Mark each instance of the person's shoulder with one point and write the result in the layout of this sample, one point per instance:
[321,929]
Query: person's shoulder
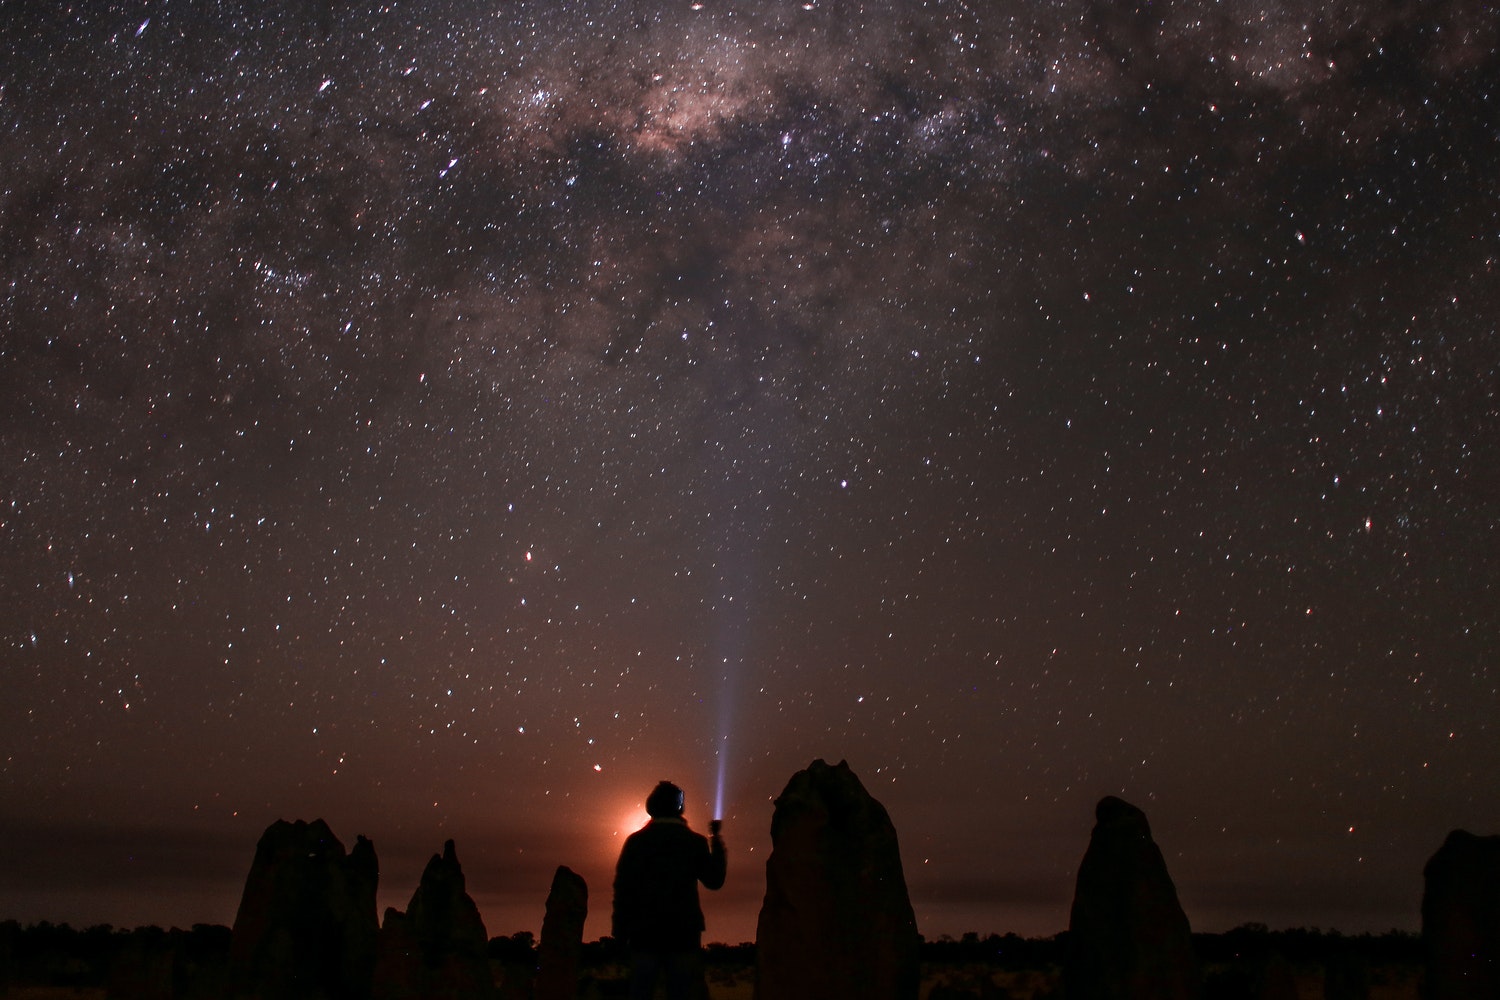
[666,833]
[650,832]
[687,833]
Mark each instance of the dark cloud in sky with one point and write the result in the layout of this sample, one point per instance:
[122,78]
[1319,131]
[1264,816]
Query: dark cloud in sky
[450,419]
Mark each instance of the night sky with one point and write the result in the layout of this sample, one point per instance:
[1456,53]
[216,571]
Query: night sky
[450,418]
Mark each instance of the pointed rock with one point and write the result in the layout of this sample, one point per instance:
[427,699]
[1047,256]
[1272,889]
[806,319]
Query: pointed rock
[562,936]
[306,925]
[836,920]
[1461,919]
[1128,938]
[437,949]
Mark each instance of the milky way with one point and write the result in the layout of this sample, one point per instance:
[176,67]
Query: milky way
[450,418]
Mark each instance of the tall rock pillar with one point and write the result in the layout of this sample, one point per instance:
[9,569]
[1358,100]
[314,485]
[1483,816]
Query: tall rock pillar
[561,955]
[1461,919]
[836,920]
[306,925]
[1128,938]
[437,949]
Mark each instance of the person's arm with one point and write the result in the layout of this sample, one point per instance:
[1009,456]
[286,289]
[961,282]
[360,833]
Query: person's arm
[714,862]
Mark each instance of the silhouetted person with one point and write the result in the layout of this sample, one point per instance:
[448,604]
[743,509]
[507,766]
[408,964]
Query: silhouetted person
[656,912]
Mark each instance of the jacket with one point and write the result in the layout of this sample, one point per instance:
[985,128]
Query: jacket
[656,886]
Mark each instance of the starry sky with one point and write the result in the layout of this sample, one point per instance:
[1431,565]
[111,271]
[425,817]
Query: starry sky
[449,418]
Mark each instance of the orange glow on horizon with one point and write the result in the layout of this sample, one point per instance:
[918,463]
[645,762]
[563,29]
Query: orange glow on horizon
[628,820]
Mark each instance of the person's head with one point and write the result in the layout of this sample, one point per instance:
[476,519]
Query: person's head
[665,801]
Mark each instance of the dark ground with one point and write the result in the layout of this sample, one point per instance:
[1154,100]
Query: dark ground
[53,961]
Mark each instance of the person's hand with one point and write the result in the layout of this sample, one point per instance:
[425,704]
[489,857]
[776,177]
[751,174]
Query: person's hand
[715,825]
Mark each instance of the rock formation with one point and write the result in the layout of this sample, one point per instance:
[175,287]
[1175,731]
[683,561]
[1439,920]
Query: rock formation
[1128,938]
[562,936]
[306,925]
[836,920]
[437,949]
[1461,919]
